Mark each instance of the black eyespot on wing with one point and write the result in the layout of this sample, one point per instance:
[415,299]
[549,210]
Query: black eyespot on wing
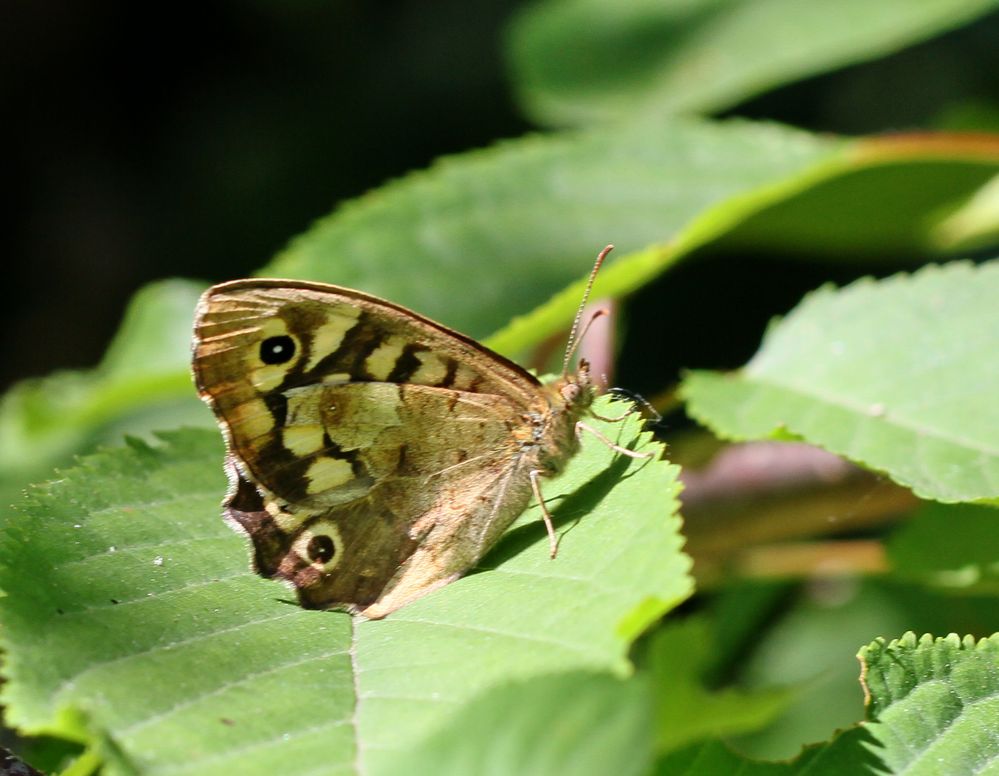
[321,549]
[277,350]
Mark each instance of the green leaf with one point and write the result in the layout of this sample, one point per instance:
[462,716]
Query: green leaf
[953,546]
[479,237]
[933,702]
[44,421]
[884,199]
[975,224]
[686,710]
[899,375]
[578,62]
[847,753]
[580,723]
[809,646]
[150,639]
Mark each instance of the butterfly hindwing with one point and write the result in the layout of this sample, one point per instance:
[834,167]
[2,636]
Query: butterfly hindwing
[438,476]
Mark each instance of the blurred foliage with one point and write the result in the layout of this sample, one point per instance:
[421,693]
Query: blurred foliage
[132,629]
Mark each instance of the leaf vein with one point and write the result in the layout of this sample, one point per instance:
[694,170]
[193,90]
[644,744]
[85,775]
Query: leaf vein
[192,700]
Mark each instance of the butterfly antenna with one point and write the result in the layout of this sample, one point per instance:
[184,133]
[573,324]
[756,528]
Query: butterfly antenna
[574,336]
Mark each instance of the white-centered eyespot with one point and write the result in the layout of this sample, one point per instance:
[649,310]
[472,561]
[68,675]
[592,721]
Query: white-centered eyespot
[270,358]
[319,544]
[278,350]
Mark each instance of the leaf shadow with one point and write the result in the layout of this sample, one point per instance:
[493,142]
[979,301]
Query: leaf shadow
[572,508]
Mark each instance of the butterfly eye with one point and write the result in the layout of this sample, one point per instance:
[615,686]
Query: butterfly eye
[277,350]
[570,392]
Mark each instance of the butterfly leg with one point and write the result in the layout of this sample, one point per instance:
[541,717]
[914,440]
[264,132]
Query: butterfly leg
[581,427]
[617,419]
[545,514]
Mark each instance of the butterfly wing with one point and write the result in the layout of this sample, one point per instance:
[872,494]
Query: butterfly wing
[373,454]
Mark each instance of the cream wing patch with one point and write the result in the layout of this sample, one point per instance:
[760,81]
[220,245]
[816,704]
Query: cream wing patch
[432,369]
[286,521]
[328,336]
[383,359]
[303,440]
[464,378]
[252,421]
[326,473]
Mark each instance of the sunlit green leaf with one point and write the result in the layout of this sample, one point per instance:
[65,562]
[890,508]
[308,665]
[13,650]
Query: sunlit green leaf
[578,62]
[899,375]
[149,633]
[933,703]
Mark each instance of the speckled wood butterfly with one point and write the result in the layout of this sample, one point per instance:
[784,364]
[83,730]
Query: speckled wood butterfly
[373,454]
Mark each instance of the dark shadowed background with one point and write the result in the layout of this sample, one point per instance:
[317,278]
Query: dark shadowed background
[195,140]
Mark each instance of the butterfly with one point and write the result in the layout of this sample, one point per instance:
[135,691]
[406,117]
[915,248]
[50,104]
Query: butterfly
[374,455]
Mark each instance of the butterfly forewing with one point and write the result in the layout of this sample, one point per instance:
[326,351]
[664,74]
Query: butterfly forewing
[259,341]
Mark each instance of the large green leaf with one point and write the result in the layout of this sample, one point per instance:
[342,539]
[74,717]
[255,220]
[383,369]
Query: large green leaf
[899,375]
[149,638]
[146,367]
[585,61]
[492,233]
[933,704]
[579,723]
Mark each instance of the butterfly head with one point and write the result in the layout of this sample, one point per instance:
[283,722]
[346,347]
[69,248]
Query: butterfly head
[577,389]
